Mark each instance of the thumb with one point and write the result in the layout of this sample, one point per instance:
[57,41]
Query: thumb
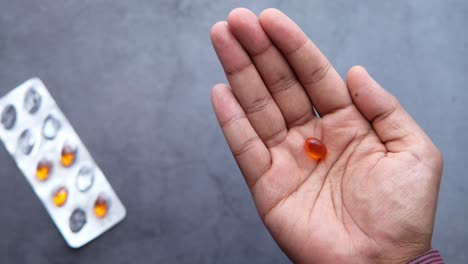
[392,124]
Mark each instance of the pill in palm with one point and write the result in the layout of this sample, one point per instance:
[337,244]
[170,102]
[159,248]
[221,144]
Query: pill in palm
[315,149]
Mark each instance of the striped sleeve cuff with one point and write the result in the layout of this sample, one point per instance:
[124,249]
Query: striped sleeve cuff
[430,257]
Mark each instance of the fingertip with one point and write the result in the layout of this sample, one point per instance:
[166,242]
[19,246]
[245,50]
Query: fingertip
[241,18]
[357,70]
[239,13]
[282,30]
[217,92]
[216,30]
[246,28]
[357,76]
[269,13]
[272,16]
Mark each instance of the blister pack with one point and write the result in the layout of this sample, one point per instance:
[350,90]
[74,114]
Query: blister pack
[62,173]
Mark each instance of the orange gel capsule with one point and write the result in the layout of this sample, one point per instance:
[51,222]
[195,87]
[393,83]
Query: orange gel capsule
[315,149]
[60,196]
[44,167]
[101,206]
[68,155]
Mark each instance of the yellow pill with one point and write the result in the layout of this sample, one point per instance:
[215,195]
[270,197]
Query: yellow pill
[101,207]
[43,169]
[60,196]
[68,155]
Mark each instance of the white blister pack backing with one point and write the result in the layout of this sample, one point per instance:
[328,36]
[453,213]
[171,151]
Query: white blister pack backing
[62,173]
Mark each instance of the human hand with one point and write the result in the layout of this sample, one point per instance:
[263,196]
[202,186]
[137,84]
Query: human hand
[373,198]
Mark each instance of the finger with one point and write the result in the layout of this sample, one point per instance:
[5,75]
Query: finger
[248,86]
[251,154]
[324,85]
[279,78]
[393,125]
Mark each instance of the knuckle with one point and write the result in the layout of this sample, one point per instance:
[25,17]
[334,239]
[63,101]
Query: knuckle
[283,83]
[393,106]
[317,74]
[238,69]
[261,51]
[231,120]
[275,138]
[258,104]
[300,45]
[245,146]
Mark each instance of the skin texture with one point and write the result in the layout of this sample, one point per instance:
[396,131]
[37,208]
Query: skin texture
[373,199]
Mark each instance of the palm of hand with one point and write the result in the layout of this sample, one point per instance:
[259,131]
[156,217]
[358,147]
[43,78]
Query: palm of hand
[373,198]
[351,201]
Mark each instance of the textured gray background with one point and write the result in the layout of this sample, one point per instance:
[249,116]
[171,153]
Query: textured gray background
[133,77]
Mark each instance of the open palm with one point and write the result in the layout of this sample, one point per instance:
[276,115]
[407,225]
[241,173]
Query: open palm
[373,198]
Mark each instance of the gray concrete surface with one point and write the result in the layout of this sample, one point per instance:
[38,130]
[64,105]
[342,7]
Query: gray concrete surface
[134,77]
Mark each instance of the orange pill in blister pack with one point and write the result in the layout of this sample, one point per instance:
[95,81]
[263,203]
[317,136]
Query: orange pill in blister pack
[43,169]
[101,206]
[56,163]
[68,155]
[315,149]
[60,196]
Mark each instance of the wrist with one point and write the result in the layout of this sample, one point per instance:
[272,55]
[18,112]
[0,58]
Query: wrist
[432,256]
[403,254]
